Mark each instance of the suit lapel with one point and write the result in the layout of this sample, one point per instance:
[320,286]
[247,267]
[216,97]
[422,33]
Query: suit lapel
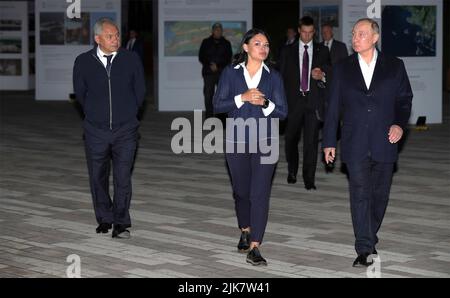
[333,48]
[263,81]
[377,73]
[357,73]
[241,76]
[296,54]
[315,55]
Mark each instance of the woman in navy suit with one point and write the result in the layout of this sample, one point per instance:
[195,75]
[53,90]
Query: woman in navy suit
[251,93]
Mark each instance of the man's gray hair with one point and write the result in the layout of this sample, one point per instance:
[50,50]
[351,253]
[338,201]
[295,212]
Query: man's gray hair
[98,27]
[372,23]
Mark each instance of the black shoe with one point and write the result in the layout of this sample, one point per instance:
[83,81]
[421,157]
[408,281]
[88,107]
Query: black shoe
[291,179]
[310,186]
[374,252]
[119,231]
[103,228]
[244,242]
[254,257]
[361,261]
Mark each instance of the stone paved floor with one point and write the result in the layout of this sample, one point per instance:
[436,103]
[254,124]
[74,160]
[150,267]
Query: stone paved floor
[183,214]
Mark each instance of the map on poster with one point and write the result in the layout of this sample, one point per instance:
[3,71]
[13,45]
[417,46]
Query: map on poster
[183,38]
[409,31]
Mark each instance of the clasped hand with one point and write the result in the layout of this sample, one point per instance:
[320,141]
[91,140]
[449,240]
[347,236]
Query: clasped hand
[253,96]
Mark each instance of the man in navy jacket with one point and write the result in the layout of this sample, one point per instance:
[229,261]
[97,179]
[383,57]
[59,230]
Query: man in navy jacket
[109,85]
[374,94]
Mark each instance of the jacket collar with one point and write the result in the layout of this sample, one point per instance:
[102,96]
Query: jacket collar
[265,67]
[93,51]
[377,73]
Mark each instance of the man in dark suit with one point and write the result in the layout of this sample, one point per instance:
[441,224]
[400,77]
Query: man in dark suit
[109,84]
[338,49]
[304,66]
[135,44]
[374,94]
[214,54]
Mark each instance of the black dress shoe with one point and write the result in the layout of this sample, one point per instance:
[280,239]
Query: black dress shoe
[121,232]
[291,179]
[361,261]
[103,228]
[244,242]
[310,186]
[254,257]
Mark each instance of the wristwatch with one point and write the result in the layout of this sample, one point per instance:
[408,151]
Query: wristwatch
[266,103]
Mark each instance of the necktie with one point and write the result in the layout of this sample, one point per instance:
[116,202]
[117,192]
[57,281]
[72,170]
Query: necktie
[305,68]
[108,64]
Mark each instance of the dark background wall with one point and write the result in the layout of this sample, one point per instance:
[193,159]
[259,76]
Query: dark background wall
[274,17]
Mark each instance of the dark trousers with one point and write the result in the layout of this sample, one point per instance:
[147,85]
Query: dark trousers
[209,87]
[370,184]
[301,119]
[103,146]
[252,183]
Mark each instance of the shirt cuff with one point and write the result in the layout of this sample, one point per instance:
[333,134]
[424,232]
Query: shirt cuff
[267,111]
[238,101]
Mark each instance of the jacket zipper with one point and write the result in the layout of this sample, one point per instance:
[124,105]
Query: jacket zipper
[109,89]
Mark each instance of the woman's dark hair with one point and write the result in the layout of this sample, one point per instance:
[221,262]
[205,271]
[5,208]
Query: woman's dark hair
[242,56]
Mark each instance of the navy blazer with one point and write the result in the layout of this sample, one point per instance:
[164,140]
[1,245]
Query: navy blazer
[367,113]
[232,83]
[109,100]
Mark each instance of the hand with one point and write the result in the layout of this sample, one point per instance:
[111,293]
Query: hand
[317,74]
[213,67]
[253,96]
[395,134]
[330,154]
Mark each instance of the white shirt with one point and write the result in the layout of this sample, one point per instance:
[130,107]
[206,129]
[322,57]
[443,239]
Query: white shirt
[328,43]
[301,50]
[100,54]
[253,83]
[368,69]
